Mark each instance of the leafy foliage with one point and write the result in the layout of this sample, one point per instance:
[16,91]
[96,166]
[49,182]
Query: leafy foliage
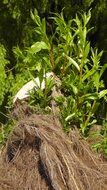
[69,54]
[101,145]
[42,97]
[5,130]
[3,62]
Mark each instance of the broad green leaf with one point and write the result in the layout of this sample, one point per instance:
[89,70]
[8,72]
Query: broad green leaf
[87,49]
[96,79]
[90,96]
[102,93]
[74,88]
[72,61]
[38,46]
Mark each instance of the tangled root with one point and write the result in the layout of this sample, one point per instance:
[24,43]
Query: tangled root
[39,156]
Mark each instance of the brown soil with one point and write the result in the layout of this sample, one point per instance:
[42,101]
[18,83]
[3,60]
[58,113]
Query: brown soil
[39,156]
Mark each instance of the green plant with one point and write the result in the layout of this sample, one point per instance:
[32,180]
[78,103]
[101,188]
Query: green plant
[69,54]
[3,62]
[81,72]
[5,130]
[101,145]
[33,61]
[66,51]
[42,97]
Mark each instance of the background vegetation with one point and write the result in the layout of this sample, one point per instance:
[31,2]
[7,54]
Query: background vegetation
[31,45]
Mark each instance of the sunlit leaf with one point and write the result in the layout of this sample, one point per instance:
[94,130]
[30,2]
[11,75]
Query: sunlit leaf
[38,46]
[90,96]
[96,79]
[93,122]
[104,67]
[88,74]
[87,49]
[35,17]
[102,93]
[69,117]
[72,61]
[74,88]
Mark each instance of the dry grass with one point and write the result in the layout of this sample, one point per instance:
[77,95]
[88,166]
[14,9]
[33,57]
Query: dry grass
[39,156]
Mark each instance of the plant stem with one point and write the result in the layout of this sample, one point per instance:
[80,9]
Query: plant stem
[89,116]
[52,60]
[81,70]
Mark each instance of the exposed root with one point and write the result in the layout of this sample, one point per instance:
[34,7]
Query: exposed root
[39,156]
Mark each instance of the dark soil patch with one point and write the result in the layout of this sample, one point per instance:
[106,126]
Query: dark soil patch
[39,156]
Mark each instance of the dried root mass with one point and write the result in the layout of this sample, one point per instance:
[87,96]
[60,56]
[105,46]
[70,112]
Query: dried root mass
[39,156]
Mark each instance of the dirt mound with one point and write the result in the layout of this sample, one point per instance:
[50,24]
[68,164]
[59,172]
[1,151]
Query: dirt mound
[39,156]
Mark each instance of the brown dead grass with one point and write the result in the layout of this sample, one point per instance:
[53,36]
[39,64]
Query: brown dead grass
[39,156]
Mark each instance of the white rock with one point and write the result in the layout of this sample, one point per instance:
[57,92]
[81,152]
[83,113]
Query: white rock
[28,87]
